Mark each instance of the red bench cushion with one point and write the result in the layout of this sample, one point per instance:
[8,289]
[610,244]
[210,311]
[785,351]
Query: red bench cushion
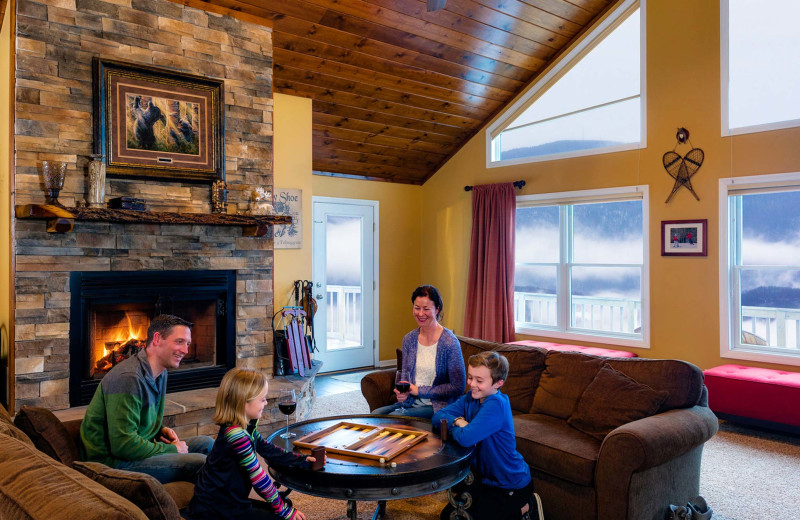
[756,393]
[597,351]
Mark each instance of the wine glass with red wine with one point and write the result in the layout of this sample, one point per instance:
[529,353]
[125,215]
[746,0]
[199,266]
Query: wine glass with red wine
[287,403]
[402,382]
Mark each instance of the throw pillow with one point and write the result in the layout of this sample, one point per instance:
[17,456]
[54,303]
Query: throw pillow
[144,491]
[611,400]
[47,433]
[566,376]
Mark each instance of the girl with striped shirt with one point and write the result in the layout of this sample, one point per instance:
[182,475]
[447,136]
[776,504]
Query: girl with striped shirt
[232,468]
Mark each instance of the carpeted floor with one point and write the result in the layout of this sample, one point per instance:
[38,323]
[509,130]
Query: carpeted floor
[746,475]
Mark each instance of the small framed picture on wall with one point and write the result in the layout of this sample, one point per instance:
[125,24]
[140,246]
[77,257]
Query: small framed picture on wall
[684,237]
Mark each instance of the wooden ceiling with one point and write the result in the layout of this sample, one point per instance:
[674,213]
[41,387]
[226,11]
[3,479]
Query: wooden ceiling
[397,90]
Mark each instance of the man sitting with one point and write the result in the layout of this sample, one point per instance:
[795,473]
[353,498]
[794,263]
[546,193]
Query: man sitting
[122,427]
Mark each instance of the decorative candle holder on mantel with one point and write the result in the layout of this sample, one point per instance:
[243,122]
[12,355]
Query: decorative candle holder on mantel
[97,181]
[53,173]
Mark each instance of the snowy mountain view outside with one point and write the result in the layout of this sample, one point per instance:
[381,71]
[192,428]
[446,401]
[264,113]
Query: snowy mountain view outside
[605,266]
[769,270]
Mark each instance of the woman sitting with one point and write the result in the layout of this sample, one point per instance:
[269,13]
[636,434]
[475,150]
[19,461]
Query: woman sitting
[432,360]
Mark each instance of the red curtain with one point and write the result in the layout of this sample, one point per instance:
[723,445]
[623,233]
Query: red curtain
[490,290]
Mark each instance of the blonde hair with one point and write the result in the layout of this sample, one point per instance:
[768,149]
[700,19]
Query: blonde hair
[496,363]
[239,386]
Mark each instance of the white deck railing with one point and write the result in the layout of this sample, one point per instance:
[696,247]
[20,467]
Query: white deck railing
[344,315]
[589,312]
[778,327]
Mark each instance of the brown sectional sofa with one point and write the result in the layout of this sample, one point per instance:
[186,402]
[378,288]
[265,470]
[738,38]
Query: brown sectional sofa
[41,477]
[600,445]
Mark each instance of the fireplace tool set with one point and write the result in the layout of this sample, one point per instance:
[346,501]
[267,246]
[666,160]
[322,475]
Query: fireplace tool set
[294,341]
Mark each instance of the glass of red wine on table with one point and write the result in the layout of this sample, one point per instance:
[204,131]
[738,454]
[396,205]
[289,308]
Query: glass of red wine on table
[403,383]
[287,403]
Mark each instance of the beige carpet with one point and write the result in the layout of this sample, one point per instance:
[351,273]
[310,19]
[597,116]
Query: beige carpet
[746,475]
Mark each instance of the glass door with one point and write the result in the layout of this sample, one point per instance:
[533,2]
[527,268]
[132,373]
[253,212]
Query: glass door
[344,282]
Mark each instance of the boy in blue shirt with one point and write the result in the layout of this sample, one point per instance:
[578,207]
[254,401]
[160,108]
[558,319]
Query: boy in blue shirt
[482,417]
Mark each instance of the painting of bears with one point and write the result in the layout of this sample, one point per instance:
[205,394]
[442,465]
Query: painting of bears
[162,124]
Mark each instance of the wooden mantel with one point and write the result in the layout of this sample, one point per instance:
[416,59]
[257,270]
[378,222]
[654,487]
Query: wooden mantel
[61,220]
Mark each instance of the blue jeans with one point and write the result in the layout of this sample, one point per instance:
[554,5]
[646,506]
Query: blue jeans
[173,467]
[424,411]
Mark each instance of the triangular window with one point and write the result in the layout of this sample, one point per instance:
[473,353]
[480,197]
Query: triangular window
[589,103]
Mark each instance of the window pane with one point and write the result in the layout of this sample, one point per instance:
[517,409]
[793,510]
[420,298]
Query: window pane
[568,116]
[535,299]
[343,273]
[537,235]
[771,228]
[612,68]
[762,55]
[607,299]
[603,127]
[770,309]
[608,233]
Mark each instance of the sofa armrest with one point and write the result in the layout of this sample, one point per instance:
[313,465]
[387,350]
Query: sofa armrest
[644,444]
[377,388]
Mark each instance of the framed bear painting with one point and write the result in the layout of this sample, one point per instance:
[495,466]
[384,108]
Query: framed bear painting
[157,123]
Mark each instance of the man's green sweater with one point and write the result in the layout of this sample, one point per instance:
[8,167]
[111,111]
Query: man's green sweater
[124,416]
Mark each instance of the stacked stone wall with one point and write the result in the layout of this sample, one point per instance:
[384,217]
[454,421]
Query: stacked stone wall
[55,43]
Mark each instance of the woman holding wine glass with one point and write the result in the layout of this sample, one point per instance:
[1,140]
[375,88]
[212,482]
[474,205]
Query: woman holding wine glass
[432,375]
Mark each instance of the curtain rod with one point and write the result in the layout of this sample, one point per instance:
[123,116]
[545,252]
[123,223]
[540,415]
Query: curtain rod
[517,184]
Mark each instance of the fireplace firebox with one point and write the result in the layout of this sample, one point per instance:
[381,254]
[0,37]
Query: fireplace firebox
[110,314]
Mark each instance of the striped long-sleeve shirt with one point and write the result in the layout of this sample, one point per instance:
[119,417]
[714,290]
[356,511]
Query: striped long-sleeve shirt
[232,470]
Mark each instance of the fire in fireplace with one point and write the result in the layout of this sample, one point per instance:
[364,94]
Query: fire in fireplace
[112,311]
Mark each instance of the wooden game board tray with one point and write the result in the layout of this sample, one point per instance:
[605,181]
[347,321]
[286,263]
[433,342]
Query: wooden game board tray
[362,440]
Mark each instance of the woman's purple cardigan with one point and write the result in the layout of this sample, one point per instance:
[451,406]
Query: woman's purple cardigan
[450,379]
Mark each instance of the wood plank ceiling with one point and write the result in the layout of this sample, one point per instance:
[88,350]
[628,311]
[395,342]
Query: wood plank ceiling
[398,90]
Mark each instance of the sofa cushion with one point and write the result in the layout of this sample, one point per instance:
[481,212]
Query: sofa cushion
[34,486]
[551,446]
[682,380]
[611,400]
[525,368]
[8,428]
[47,433]
[143,490]
[566,376]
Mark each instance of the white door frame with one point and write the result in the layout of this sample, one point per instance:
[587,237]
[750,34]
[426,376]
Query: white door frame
[376,343]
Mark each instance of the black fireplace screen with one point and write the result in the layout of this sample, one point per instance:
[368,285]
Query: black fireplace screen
[110,314]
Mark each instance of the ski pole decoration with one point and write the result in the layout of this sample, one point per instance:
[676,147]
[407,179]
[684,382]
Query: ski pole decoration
[683,168]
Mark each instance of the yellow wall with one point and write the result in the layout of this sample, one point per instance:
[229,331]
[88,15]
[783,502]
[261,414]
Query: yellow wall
[683,89]
[6,101]
[291,121]
[400,223]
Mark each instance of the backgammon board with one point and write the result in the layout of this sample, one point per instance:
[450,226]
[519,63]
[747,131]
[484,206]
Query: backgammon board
[361,440]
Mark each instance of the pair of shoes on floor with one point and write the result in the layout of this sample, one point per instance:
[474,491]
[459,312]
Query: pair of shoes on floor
[700,509]
[696,509]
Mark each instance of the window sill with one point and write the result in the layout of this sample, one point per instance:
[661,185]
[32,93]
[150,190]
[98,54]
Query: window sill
[792,359]
[590,338]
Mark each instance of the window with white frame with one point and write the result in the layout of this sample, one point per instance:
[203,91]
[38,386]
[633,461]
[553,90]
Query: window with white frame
[760,44]
[581,265]
[589,103]
[760,275]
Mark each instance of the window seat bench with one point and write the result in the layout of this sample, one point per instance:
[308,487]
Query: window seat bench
[755,396]
[596,351]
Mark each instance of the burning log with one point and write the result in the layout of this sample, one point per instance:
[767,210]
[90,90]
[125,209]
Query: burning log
[118,351]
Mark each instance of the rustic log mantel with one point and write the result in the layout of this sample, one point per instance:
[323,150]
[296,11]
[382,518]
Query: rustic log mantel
[61,220]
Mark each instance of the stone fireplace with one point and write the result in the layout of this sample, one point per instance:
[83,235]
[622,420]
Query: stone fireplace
[53,121]
[110,314]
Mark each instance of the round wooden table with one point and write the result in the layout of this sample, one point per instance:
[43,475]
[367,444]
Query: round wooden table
[425,468]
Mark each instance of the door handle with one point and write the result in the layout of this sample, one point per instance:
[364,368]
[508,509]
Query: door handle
[319,297]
